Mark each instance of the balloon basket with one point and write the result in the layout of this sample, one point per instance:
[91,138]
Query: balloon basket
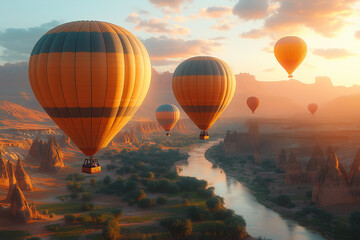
[168,134]
[91,166]
[204,135]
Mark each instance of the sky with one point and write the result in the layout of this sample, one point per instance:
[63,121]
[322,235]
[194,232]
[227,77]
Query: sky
[240,32]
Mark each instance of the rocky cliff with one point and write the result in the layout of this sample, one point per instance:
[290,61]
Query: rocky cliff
[316,162]
[293,174]
[125,137]
[12,179]
[4,178]
[20,210]
[330,186]
[22,178]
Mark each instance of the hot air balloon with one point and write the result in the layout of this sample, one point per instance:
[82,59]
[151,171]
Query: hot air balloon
[90,77]
[290,52]
[204,87]
[313,107]
[167,115]
[253,103]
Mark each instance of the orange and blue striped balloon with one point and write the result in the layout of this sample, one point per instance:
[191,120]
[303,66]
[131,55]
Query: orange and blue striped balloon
[204,87]
[167,115]
[90,77]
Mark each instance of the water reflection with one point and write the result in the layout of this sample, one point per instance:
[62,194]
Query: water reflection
[260,221]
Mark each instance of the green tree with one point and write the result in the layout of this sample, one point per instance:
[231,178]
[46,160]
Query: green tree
[107,180]
[117,213]
[215,203]
[93,182]
[111,230]
[179,228]
[95,217]
[70,219]
[236,227]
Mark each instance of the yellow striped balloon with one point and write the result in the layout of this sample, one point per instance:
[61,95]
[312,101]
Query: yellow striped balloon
[167,115]
[204,86]
[90,77]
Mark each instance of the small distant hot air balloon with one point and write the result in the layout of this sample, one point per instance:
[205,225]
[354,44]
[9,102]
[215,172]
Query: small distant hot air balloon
[167,115]
[313,107]
[90,77]
[204,87]
[253,103]
[290,52]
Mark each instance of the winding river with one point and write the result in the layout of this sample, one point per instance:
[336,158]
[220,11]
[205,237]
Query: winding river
[260,220]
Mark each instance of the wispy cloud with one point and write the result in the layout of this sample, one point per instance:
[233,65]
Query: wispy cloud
[251,9]
[215,12]
[173,5]
[332,53]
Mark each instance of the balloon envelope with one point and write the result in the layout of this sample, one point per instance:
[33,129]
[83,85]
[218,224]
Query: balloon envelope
[253,103]
[290,52]
[313,107]
[167,115]
[204,87]
[90,77]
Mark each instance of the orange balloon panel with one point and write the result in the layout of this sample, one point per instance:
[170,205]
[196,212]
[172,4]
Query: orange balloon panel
[167,115]
[253,103]
[290,52]
[313,107]
[204,87]
[90,77]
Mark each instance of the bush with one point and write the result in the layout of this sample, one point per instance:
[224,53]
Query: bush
[63,199]
[197,214]
[136,195]
[214,229]
[284,201]
[74,195]
[209,193]
[146,203]
[161,200]
[95,217]
[215,203]
[179,228]
[93,182]
[87,206]
[111,230]
[148,175]
[86,196]
[78,177]
[130,185]
[70,219]
[81,219]
[107,180]
[117,213]
[236,227]
[223,214]
[52,215]
[111,167]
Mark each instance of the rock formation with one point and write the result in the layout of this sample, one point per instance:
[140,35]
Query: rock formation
[22,178]
[4,178]
[36,148]
[48,153]
[51,161]
[355,167]
[281,160]
[20,210]
[125,137]
[293,174]
[12,179]
[316,162]
[330,186]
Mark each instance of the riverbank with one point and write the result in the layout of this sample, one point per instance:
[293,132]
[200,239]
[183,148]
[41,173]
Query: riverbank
[292,202]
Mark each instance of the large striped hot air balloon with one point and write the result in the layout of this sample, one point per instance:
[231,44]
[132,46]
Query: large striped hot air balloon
[204,87]
[290,52]
[167,115]
[90,77]
[253,103]
[312,107]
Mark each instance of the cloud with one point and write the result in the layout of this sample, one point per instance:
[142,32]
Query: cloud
[255,33]
[324,17]
[180,19]
[223,25]
[170,4]
[17,43]
[251,9]
[269,70]
[163,49]
[357,35]
[332,53]
[156,25]
[214,12]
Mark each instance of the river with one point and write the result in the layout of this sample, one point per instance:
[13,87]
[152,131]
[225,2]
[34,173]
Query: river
[260,221]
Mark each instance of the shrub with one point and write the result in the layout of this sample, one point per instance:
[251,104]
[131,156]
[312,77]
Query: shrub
[70,219]
[179,228]
[146,203]
[74,195]
[214,229]
[95,217]
[236,227]
[197,214]
[284,201]
[78,177]
[63,199]
[111,230]
[215,203]
[161,200]
[107,180]
[130,185]
[87,206]
[148,175]
[81,219]
[136,195]
[209,193]
[117,213]
[223,214]
[86,196]
[52,215]
[111,167]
